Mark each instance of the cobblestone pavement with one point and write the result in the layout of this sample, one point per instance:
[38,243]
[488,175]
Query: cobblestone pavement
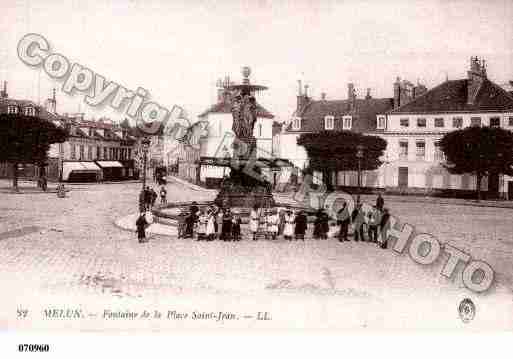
[68,252]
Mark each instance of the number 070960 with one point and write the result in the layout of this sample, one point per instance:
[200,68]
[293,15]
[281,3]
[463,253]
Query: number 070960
[33,348]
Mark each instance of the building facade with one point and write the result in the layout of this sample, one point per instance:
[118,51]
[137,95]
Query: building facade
[413,160]
[94,150]
[412,123]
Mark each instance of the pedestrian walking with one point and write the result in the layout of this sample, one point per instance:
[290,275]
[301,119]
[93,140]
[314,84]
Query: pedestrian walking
[163,195]
[301,226]
[141,225]
[253,221]
[289,229]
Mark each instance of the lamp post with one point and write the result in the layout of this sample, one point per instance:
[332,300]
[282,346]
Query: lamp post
[145,146]
[359,156]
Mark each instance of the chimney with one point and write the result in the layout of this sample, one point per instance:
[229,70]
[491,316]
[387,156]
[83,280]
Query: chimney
[397,92]
[51,103]
[4,94]
[368,96]
[302,97]
[476,76]
[323,96]
[351,95]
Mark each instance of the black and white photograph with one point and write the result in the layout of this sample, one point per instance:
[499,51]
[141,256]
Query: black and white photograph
[171,166]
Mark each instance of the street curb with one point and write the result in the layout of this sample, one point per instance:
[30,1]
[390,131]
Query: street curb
[191,185]
[127,223]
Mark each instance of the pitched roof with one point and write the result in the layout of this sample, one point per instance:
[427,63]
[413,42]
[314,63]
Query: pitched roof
[225,107]
[41,111]
[451,96]
[363,114]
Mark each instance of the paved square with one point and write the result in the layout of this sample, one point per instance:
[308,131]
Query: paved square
[67,253]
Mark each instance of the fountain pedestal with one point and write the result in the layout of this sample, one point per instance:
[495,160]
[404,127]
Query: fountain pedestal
[246,186]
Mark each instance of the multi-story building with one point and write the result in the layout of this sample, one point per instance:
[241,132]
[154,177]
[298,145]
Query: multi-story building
[413,160]
[94,150]
[103,149]
[352,114]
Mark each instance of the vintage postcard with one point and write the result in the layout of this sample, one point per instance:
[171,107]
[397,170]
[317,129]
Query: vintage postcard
[256,165]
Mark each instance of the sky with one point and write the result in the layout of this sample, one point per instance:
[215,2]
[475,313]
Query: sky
[178,49]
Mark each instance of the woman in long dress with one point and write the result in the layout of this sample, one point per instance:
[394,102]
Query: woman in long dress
[253,221]
[288,231]
[202,226]
[211,227]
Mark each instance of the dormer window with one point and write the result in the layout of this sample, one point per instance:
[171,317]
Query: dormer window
[296,123]
[381,122]
[347,122]
[329,122]
[30,111]
[12,109]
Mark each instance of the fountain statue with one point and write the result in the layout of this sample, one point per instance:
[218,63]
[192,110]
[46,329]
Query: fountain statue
[246,186]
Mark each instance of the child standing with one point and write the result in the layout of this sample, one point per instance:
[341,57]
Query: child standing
[202,225]
[163,194]
[272,224]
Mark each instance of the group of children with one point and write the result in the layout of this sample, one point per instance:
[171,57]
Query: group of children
[210,223]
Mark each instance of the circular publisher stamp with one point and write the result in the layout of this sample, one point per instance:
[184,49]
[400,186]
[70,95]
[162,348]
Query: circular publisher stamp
[467,310]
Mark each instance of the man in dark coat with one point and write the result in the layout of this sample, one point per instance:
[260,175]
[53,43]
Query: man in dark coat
[141,224]
[147,197]
[154,197]
[325,225]
[226,228]
[357,217]
[380,202]
[190,221]
[343,220]
[317,232]
[383,226]
[301,226]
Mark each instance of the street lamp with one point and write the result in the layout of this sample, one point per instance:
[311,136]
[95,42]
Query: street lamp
[145,143]
[359,155]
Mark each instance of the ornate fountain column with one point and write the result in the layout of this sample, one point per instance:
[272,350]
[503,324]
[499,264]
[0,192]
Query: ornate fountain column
[246,186]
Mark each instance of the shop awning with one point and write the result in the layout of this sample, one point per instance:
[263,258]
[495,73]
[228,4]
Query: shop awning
[90,166]
[76,166]
[110,164]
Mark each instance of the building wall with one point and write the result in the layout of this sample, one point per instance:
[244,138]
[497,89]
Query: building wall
[220,135]
[289,149]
